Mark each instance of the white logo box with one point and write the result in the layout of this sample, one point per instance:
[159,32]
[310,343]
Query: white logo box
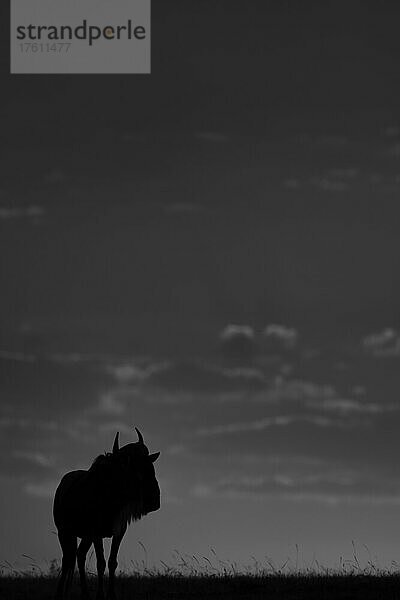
[80,36]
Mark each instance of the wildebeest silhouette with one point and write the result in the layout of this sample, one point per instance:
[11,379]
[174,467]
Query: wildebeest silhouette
[118,488]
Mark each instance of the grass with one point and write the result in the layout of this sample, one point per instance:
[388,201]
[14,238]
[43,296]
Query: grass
[191,577]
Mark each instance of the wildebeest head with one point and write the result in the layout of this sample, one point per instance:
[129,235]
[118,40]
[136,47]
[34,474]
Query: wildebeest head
[139,465]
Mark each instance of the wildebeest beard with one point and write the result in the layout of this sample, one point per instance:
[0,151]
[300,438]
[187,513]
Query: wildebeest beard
[124,495]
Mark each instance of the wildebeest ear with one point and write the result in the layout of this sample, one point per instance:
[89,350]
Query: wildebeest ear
[153,457]
[116,443]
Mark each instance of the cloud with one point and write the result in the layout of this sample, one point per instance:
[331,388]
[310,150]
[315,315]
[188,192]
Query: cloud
[331,489]
[347,406]
[244,374]
[199,376]
[232,331]
[37,458]
[394,150]
[338,179]
[343,173]
[114,426]
[282,336]
[195,409]
[34,425]
[18,465]
[299,480]
[392,131]
[322,398]
[358,390]
[385,343]
[18,356]
[296,416]
[175,383]
[329,184]
[110,404]
[262,424]
[243,342]
[136,370]
[44,489]
[47,389]
[300,391]
[238,341]
[292,183]
[30,212]
[55,176]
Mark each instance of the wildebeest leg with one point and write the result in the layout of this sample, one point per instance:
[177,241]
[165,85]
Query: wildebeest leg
[101,566]
[113,564]
[68,544]
[81,554]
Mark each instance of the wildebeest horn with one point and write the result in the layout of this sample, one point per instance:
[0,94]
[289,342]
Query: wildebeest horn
[141,440]
[116,443]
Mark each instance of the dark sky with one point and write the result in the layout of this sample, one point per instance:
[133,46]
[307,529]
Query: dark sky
[211,253]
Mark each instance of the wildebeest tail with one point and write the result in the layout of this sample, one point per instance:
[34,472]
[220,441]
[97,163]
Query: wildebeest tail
[69,548]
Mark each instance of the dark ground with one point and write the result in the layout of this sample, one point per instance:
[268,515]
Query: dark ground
[287,587]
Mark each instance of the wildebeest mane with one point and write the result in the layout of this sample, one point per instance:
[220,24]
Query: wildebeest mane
[132,509]
[107,458]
